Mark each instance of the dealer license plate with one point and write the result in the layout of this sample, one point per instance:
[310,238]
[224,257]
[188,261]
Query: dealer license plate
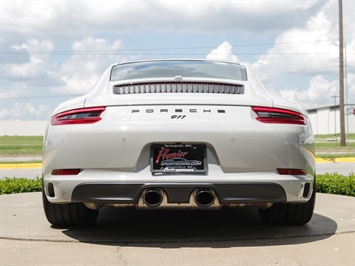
[178,158]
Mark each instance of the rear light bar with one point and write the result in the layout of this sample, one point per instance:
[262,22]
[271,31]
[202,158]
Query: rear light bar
[289,171]
[278,116]
[78,116]
[66,171]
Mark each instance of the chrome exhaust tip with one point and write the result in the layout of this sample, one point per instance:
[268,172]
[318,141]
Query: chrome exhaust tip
[152,197]
[204,198]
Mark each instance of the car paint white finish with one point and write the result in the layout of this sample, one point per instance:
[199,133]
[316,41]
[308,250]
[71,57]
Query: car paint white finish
[240,149]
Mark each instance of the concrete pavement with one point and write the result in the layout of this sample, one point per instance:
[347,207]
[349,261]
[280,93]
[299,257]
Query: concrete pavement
[131,237]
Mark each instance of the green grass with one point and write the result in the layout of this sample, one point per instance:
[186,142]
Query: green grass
[336,184]
[20,185]
[323,142]
[20,145]
[335,155]
[329,136]
[332,149]
[16,162]
[334,145]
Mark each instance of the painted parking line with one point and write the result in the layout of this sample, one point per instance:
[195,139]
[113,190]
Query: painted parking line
[21,166]
[345,160]
[336,160]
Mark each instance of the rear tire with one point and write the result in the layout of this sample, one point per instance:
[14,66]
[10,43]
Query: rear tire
[288,213]
[66,215]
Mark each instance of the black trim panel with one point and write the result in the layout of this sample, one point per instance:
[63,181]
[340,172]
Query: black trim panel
[179,192]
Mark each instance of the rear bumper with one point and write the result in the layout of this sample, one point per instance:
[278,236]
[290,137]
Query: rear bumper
[112,187]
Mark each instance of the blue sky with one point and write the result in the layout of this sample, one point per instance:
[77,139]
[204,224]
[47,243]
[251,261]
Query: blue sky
[54,50]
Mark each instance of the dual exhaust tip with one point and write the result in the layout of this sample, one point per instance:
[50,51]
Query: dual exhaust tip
[155,197]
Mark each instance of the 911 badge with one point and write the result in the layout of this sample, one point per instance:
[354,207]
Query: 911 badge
[178,116]
[178,158]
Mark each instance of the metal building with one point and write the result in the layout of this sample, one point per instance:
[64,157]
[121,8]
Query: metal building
[326,120]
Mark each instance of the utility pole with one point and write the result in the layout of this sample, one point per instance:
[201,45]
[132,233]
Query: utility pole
[335,117]
[341,76]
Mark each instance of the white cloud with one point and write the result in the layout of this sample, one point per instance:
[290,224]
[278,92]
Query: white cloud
[310,52]
[62,18]
[40,75]
[320,90]
[36,67]
[38,49]
[25,111]
[33,74]
[15,90]
[91,57]
[223,52]
[309,47]
[301,49]
[38,30]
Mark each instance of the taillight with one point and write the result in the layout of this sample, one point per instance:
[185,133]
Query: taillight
[78,116]
[290,171]
[66,171]
[278,116]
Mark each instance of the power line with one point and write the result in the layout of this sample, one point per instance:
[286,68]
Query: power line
[123,51]
[171,54]
[297,72]
[39,97]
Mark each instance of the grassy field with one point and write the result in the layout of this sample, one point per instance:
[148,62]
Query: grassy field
[322,139]
[327,147]
[15,145]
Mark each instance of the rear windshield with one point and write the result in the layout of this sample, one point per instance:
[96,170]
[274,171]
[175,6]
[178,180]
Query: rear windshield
[184,68]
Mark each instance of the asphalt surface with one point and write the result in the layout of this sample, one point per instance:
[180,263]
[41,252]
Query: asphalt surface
[138,237]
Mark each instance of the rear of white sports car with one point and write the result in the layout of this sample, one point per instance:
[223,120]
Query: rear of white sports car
[178,133]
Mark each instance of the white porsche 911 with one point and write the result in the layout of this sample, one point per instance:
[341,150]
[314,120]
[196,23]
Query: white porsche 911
[178,133]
